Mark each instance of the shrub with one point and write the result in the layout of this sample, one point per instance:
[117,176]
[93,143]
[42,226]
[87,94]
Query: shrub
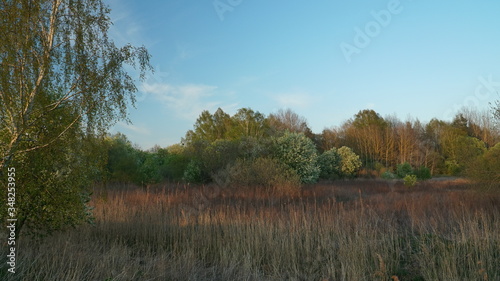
[329,164]
[218,155]
[389,176]
[261,172]
[298,152]
[486,168]
[193,172]
[350,162]
[410,180]
[150,170]
[404,169]
[423,173]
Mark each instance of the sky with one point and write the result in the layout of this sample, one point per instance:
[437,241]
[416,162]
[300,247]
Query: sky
[325,60]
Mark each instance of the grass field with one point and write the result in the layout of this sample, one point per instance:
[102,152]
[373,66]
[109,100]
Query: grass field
[345,230]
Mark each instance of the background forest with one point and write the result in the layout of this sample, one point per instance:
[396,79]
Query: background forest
[248,147]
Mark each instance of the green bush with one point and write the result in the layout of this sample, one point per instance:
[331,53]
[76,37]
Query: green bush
[389,176]
[486,168]
[193,172]
[218,155]
[410,180]
[404,169]
[298,152]
[423,173]
[329,163]
[349,163]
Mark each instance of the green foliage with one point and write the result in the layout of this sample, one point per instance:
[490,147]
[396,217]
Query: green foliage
[52,193]
[404,169]
[350,162]
[209,127]
[127,163]
[452,167]
[389,176]
[174,166]
[299,153]
[410,180]
[248,123]
[193,172]
[152,169]
[63,81]
[124,160]
[221,126]
[458,148]
[368,117]
[486,168]
[423,173]
[251,148]
[218,155]
[330,164]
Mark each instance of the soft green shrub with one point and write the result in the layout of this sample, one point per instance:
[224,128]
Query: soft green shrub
[486,168]
[349,163]
[423,173]
[389,176]
[193,172]
[402,170]
[299,153]
[410,180]
[329,163]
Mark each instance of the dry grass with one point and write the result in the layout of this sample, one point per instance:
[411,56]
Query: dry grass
[352,230]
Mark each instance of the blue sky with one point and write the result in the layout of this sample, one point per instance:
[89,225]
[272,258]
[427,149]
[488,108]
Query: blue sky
[326,60]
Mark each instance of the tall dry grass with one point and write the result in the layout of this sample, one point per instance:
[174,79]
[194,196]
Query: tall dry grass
[353,230]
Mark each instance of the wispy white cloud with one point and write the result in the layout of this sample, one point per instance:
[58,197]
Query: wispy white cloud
[186,101]
[294,100]
[134,128]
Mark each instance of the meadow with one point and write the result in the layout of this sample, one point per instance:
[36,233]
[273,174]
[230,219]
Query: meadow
[341,230]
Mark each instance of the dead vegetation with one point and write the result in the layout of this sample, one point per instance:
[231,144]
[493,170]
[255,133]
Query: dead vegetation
[343,230]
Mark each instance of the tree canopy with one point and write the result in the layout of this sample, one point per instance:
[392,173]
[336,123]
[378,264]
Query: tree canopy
[63,82]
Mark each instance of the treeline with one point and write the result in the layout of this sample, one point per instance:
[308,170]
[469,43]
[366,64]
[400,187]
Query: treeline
[446,148]
[280,150]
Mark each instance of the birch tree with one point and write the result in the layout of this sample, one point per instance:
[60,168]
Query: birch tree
[62,81]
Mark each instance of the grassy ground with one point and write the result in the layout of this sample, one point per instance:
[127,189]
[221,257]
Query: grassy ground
[346,230]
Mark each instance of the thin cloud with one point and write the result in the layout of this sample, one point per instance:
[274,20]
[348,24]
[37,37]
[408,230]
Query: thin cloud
[294,100]
[186,101]
[134,128]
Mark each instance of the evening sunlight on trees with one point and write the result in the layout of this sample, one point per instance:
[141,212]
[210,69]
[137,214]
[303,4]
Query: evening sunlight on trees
[229,150]
[63,83]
